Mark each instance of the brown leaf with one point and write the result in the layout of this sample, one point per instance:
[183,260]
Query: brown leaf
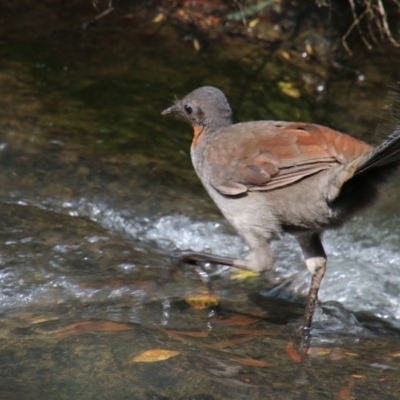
[293,354]
[174,335]
[396,354]
[229,343]
[154,355]
[251,362]
[252,332]
[238,320]
[180,335]
[92,326]
[345,391]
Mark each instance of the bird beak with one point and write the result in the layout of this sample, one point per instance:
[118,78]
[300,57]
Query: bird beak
[170,111]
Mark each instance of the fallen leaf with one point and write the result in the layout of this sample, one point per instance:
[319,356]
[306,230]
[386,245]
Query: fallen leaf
[253,23]
[358,376]
[191,334]
[396,354]
[289,89]
[154,355]
[158,18]
[318,351]
[180,335]
[201,302]
[345,391]
[293,354]
[212,20]
[339,354]
[238,320]
[174,335]
[252,332]
[284,54]
[251,362]
[196,45]
[349,353]
[242,275]
[259,313]
[229,343]
[41,320]
[92,326]
[309,49]
[332,353]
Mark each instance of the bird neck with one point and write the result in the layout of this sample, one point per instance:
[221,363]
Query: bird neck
[214,124]
[209,129]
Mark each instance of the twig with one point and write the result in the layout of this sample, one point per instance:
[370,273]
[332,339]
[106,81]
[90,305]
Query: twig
[242,17]
[370,19]
[385,24]
[86,25]
[248,12]
[356,22]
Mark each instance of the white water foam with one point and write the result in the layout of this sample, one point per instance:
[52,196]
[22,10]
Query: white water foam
[363,259]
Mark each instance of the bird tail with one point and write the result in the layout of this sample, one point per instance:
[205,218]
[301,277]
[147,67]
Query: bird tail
[386,154]
[372,168]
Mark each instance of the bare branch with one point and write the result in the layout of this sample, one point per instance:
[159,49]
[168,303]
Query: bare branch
[356,23]
[385,24]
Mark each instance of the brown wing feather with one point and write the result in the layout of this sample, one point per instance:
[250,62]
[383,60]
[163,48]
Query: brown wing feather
[265,155]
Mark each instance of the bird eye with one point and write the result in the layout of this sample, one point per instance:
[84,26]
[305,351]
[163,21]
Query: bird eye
[188,109]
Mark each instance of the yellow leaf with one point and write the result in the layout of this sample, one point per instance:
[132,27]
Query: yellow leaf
[357,376]
[41,320]
[339,354]
[284,54]
[309,48]
[196,45]
[154,355]
[253,23]
[348,353]
[242,275]
[289,89]
[158,18]
[318,351]
[202,302]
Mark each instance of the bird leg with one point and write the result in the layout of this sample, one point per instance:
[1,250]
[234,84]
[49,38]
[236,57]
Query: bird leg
[195,258]
[316,263]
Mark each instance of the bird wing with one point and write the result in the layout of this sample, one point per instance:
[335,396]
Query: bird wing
[266,155]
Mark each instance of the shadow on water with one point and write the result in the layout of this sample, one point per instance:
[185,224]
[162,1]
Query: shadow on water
[97,193]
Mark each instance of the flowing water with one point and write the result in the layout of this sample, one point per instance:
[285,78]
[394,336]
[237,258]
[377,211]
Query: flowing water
[97,194]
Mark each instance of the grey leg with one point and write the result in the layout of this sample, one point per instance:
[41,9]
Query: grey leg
[316,263]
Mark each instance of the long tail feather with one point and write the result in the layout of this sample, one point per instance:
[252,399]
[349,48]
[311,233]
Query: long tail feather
[384,155]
